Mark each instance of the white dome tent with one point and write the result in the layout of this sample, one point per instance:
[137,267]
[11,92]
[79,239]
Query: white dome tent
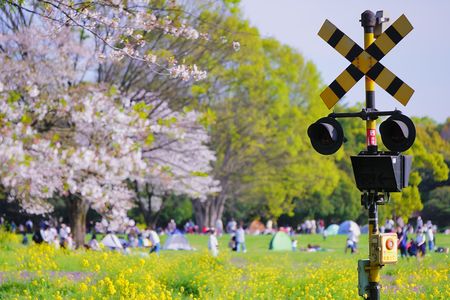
[177,242]
[112,241]
[345,227]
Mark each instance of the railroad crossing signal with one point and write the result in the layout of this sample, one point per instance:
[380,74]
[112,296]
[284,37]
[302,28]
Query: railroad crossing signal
[377,174]
[366,62]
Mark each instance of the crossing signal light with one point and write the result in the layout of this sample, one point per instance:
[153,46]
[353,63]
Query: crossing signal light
[398,133]
[326,135]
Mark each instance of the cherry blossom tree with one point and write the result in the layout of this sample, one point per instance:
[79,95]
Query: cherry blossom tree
[63,134]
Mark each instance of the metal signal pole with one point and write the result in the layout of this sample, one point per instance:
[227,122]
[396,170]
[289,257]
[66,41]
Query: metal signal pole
[368,22]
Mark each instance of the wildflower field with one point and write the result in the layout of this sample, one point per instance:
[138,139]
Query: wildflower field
[42,272]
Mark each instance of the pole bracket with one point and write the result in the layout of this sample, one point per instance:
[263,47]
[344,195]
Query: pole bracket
[366,114]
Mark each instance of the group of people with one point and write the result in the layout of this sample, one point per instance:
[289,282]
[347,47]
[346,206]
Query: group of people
[414,242]
[311,227]
[411,241]
[237,240]
[52,234]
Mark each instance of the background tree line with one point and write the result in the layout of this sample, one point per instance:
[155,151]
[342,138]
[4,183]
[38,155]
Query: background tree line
[257,101]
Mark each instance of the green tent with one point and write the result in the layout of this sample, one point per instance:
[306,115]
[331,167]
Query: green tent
[280,241]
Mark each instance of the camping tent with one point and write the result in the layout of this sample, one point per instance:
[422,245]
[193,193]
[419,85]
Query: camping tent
[365,229]
[177,242]
[112,241]
[256,227]
[345,227]
[280,241]
[332,229]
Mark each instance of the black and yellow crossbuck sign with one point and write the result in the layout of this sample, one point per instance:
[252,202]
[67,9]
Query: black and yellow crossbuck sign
[366,62]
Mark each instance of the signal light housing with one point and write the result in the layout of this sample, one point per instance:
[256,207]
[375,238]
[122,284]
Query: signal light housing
[398,133]
[384,172]
[326,135]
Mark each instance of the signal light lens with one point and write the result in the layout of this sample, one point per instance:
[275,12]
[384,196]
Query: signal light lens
[326,135]
[389,244]
[398,133]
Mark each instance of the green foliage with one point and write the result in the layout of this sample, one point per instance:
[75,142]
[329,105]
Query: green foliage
[261,126]
[437,208]
[345,199]
[177,208]
[430,151]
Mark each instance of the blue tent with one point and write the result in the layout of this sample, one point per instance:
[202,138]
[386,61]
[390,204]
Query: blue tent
[365,229]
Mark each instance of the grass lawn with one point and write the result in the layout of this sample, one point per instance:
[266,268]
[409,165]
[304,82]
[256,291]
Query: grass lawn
[41,272]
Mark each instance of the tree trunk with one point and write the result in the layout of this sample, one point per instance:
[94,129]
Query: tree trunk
[151,218]
[78,212]
[208,212]
[145,204]
[201,210]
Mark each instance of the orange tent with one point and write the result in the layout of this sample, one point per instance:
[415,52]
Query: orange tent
[256,227]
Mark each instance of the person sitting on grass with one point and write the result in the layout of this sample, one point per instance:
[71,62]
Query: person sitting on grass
[93,244]
[314,248]
[156,242]
[412,248]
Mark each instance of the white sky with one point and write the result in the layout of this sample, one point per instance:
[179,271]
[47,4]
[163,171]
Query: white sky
[421,59]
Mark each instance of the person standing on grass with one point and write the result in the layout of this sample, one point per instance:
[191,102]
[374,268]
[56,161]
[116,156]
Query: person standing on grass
[294,245]
[29,225]
[172,226]
[389,225]
[156,242]
[430,237]
[219,227]
[213,244]
[240,238]
[421,242]
[402,241]
[231,226]
[419,223]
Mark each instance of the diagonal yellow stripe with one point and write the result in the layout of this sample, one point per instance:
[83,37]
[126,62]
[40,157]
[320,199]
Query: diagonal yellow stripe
[329,97]
[344,45]
[386,77]
[403,26]
[404,93]
[384,43]
[327,30]
[346,81]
